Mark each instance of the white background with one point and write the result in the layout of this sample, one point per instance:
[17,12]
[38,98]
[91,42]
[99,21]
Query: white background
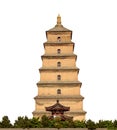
[22,33]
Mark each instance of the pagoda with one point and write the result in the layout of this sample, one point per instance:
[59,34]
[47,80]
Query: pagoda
[57,111]
[59,75]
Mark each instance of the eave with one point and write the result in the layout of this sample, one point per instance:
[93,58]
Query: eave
[61,56]
[59,69]
[58,43]
[56,97]
[60,83]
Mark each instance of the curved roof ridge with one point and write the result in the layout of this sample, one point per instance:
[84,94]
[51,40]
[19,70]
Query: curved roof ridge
[57,106]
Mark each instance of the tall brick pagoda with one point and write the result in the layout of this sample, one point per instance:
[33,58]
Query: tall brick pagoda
[59,75]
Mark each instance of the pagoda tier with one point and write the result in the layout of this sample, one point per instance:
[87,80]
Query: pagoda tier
[59,75]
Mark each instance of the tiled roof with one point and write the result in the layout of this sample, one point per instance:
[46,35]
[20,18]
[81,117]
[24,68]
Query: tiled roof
[57,106]
[58,26]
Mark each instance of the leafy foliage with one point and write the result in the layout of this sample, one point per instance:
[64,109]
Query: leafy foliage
[105,124]
[79,124]
[22,122]
[35,123]
[90,124]
[5,123]
[115,123]
[44,122]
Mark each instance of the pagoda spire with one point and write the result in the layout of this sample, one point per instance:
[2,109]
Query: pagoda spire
[58,19]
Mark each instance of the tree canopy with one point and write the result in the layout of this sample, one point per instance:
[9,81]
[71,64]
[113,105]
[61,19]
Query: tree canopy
[44,122]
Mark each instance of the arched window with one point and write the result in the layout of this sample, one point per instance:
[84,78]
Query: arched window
[58,51]
[58,39]
[59,77]
[58,64]
[58,91]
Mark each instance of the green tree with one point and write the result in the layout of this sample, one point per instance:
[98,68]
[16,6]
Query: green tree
[67,124]
[45,121]
[105,124]
[35,123]
[90,124]
[101,124]
[22,122]
[108,123]
[115,123]
[79,124]
[57,123]
[5,123]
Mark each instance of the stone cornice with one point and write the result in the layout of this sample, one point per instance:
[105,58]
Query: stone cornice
[60,69]
[80,112]
[60,56]
[41,112]
[47,84]
[58,43]
[67,97]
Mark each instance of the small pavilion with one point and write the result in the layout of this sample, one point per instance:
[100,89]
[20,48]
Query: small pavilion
[57,110]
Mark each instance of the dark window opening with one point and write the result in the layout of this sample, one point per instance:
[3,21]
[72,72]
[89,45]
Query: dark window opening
[58,39]
[58,91]
[59,77]
[58,64]
[58,51]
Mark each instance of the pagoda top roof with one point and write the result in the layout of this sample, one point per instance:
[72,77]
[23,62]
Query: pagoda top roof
[59,27]
[57,106]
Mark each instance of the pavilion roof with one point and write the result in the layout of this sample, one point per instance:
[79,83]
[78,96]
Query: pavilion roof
[57,106]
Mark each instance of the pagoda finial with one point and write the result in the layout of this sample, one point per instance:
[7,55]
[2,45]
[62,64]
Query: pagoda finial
[58,19]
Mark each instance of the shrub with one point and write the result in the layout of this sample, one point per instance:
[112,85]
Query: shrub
[5,123]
